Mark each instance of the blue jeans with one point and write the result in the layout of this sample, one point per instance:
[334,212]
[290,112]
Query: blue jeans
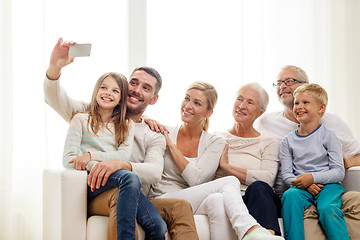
[327,202]
[132,204]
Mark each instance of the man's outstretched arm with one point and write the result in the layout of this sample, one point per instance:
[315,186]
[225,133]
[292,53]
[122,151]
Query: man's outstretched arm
[55,96]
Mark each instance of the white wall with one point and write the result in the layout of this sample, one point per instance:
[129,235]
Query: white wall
[229,43]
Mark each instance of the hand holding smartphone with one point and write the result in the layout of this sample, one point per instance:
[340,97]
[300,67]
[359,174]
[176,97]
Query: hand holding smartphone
[80,50]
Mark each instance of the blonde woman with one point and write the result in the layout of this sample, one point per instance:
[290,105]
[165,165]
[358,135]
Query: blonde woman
[190,162]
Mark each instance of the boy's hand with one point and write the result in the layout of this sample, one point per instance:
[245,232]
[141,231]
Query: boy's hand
[303,181]
[314,189]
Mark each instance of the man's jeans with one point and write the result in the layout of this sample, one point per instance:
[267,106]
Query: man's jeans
[132,204]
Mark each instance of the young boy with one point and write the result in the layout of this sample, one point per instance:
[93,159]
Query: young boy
[312,164]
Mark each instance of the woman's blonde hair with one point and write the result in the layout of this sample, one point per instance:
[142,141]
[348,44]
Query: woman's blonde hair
[119,117]
[211,97]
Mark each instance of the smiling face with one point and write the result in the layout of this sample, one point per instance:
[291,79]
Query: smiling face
[142,88]
[306,108]
[247,106]
[109,94]
[285,93]
[194,107]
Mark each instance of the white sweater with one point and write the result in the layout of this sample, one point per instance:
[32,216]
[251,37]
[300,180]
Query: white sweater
[259,155]
[200,171]
[101,146]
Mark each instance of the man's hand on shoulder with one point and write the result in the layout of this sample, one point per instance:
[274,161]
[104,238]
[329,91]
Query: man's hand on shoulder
[155,125]
[101,172]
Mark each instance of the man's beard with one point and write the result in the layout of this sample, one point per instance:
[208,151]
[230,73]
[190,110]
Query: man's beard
[289,103]
[135,111]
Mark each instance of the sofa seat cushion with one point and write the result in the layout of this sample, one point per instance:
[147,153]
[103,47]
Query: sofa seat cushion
[202,226]
[97,229]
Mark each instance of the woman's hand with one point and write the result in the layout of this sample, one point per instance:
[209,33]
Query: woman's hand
[80,162]
[167,138]
[155,126]
[303,180]
[224,159]
[314,189]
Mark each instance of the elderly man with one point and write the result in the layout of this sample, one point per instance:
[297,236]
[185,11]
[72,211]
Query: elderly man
[280,124]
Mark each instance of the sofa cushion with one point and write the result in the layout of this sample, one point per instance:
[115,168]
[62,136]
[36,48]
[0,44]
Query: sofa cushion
[97,229]
[202,226]
[352,179]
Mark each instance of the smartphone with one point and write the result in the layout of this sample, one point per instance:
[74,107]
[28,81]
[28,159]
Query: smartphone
[80,50]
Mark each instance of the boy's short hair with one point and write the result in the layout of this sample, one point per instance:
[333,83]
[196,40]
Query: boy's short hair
[317,91]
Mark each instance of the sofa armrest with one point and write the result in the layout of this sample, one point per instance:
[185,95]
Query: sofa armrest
[64,204]
[352,179]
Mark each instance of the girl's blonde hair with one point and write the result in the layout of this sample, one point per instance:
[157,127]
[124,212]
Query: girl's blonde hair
[119,116]
[211,97]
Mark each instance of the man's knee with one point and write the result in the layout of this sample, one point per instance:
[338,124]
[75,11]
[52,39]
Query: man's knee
[311,213]
[181,205]
[104,203]
[171,204]
[351,200]
[350,204]
[112,197]
[172,208]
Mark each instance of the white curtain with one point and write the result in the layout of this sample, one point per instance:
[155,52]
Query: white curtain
[229,43]
[32,134]
[226,43]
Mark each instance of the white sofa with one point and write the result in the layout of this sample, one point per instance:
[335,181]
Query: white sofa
[65,207]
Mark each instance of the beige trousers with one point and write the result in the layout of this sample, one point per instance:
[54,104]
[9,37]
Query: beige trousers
[177,214]
[350,205]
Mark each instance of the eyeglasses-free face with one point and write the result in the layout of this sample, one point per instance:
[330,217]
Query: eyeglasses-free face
[288,82]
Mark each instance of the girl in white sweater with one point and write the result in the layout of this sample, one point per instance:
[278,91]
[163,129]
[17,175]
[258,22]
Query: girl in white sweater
[104,133]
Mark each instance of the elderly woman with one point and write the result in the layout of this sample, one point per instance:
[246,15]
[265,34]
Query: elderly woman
[191,161]
[252,157]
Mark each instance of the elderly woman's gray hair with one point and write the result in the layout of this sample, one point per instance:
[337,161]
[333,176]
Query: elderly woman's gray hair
[264,97]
